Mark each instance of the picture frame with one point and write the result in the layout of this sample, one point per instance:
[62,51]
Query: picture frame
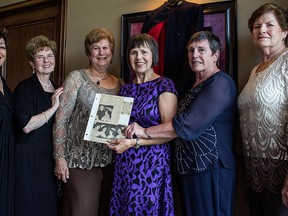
[219,17]
[131,24]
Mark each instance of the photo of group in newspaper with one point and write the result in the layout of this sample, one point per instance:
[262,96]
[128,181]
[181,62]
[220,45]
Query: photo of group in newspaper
[109,116]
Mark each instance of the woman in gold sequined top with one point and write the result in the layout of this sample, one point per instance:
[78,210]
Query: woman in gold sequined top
[263,107]
[79,163]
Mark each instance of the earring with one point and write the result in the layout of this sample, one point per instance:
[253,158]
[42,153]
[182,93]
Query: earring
[33,70]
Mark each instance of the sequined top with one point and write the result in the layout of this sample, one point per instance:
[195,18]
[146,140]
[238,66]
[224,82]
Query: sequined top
[263,108]
[205,123]
[71,120]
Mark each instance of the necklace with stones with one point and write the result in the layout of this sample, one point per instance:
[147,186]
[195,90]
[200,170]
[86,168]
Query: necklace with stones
[45,85]
[98,78]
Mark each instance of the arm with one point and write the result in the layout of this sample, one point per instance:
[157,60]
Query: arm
[205,108]
[62,118]
[215,99]
[42,118]
[166,99]
[163,130]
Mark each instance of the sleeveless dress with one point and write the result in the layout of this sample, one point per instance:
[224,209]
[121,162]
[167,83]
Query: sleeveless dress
[142,178]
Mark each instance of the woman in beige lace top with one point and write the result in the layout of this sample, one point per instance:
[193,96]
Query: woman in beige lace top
[263,107]
[80,163]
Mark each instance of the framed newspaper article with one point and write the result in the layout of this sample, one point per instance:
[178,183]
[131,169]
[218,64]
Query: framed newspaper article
[109,115]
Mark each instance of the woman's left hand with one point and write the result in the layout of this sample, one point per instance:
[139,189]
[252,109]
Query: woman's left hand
[284,192]
[120,145]
[55,97]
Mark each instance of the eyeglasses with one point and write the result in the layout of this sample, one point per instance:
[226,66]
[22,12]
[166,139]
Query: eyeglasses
[43,58]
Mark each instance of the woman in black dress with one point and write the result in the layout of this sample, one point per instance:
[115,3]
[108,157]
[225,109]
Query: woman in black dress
[35,100]
[6,138]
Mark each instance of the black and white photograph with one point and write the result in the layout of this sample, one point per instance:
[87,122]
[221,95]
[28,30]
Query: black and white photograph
[109,115]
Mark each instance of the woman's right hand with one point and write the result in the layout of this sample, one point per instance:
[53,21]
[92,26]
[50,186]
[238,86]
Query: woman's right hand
[61,169]
[134,130]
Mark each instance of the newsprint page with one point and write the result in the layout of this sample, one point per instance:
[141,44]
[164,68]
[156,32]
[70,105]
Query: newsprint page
[109,115]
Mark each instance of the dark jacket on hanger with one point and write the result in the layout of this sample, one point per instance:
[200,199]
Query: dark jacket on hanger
[178,22]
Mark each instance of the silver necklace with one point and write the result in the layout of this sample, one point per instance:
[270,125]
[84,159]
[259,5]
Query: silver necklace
[45,85]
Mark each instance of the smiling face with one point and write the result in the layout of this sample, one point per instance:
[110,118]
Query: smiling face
[267,33]
[44,61]
[100,55]
[200,56]
[140,59]
[3,51]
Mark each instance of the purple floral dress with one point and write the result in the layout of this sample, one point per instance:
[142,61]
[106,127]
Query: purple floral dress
[142,178]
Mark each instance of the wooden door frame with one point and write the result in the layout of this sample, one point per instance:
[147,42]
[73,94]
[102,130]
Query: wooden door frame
[25,6]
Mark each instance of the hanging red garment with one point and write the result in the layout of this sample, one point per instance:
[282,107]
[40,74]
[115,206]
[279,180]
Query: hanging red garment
[177,22]
[158,33]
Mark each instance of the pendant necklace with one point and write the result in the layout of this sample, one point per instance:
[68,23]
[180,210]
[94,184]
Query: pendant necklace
[98,78]
[45,85]
[263,65]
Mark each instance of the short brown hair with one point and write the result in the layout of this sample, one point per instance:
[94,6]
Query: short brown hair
[280,13]
[95,36]
[141,40]
[213,40]
[39,43]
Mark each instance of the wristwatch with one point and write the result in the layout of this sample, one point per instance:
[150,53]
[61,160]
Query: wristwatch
[137,145]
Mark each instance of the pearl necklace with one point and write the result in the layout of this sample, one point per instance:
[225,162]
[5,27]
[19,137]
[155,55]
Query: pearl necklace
[98,78]
[45,85]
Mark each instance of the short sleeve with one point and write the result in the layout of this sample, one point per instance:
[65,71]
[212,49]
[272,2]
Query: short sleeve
[22,102]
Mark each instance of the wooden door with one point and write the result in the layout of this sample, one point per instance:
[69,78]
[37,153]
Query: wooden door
[24,22]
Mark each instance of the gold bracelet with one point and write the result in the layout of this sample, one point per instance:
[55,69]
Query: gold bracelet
[148,136]
[45,116]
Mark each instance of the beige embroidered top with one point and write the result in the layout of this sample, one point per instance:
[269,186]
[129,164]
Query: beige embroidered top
[263,109]
[71,120]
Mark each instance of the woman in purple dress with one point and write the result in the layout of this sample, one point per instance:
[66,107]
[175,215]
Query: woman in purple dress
[142,178]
